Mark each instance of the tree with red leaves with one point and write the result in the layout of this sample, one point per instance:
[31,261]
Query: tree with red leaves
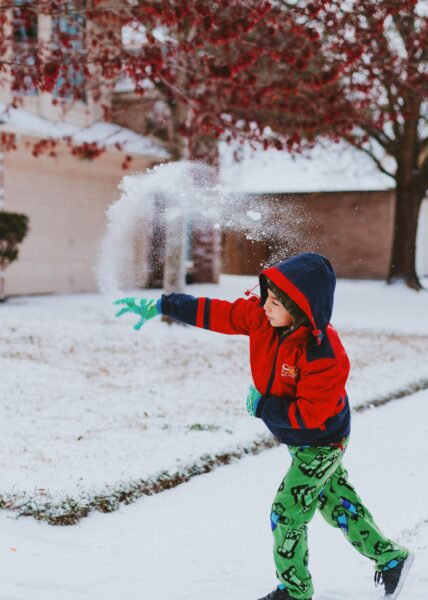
[279,73]
[381,103]
[219,66]
[224,67]
[368,84]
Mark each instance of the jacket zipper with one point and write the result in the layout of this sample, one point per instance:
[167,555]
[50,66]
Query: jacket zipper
[272,375]
[271,378]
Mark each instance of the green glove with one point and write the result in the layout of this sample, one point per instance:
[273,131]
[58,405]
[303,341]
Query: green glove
[253,399]
[146,309]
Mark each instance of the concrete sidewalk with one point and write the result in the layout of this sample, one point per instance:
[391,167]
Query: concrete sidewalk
[210,538]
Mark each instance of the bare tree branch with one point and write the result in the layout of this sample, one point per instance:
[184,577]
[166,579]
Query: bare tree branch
[405,25]
[380,136]
[393,110]
[371,154]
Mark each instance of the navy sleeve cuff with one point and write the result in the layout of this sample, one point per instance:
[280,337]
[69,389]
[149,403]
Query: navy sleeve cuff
[164,304]
[259,407]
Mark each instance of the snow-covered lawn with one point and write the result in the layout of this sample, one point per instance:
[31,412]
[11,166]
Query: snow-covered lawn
[89,406]
[211,538]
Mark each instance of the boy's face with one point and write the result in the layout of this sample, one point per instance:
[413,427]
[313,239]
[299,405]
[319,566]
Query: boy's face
[278,315]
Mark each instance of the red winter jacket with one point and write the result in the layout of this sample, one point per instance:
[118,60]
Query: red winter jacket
[301,377]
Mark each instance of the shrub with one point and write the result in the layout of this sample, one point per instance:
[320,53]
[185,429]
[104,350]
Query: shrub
[13,229]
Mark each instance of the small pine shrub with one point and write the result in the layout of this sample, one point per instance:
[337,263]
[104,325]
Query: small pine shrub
[13,229]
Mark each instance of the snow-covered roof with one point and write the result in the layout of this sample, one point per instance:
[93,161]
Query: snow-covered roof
[18,120]
[328,167]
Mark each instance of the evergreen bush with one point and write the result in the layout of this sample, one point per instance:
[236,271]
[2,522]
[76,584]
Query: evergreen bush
[13,229]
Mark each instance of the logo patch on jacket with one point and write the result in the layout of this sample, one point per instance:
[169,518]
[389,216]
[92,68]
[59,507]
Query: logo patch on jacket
[287,371]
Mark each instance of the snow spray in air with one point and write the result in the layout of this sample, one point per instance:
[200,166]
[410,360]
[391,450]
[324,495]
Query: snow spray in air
[149,223]
[151,218]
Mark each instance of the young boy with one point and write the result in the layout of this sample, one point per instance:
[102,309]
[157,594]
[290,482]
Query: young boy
[299,369]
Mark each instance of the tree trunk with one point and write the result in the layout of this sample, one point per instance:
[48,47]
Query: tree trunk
[411,186]
[2,282]
[205,148]
[408,201]
[2,202]
[174,278]
[157,245]
[202,148]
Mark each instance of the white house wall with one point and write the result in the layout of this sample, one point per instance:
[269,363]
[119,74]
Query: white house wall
[65,199]
[422,241]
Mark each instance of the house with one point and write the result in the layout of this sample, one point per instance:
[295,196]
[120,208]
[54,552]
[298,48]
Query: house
[66,195]
[332,200]
[65,198]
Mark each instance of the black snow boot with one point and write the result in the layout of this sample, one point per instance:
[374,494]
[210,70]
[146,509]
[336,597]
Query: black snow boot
[393,579]
[279,594]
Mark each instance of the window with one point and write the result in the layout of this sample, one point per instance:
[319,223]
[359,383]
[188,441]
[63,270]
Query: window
[68,34]
[24,36]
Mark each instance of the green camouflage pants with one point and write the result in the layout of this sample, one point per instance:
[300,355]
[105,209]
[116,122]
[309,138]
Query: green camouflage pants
[317,479]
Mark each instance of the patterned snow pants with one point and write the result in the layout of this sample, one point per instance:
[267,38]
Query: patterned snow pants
[317,479]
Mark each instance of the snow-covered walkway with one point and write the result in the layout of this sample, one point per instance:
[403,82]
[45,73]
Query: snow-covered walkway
[210,538]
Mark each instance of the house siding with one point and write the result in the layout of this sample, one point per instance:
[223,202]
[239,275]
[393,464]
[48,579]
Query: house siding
[353,229]
[66,200]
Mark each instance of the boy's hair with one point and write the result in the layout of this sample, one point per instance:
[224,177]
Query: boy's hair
[297,314]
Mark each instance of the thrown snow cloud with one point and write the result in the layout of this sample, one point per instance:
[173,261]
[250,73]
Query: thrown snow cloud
[148,202]
[162,203]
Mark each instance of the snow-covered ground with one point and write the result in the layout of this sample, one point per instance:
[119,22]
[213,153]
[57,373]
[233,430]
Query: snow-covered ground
[86,402]
[210,538]
[89,406]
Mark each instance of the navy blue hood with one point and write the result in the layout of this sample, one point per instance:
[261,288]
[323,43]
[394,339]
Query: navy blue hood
[309,280]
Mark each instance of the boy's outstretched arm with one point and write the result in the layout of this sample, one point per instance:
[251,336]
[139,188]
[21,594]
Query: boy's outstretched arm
[236,317]
[216,315]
